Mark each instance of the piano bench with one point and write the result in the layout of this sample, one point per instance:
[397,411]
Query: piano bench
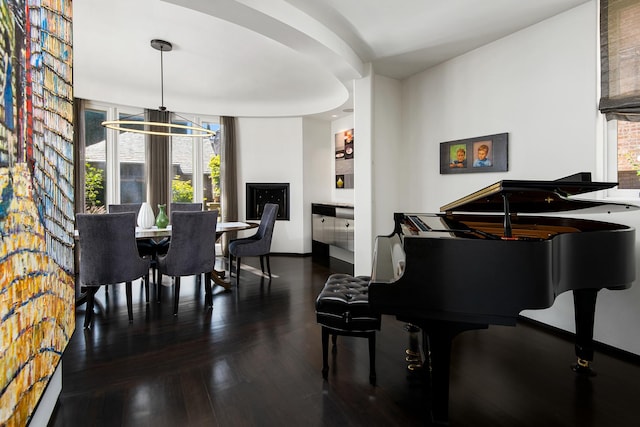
[342,308]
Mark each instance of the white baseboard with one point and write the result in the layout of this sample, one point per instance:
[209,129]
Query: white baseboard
[48,401]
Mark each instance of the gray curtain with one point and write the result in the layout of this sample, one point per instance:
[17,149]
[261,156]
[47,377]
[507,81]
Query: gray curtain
[78,173]
[158,162]
[228,178]
[620,59]
[78,154]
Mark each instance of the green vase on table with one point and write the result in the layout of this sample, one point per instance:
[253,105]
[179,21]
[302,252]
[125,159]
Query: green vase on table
[162,220]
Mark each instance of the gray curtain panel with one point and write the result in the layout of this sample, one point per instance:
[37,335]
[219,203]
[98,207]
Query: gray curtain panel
[229,180]
[158,162]
[78,154]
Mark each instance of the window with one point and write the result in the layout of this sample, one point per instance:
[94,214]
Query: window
[195,164]
[95,150]
[132,160]
[620,87]
[182,164]
[211,151]
[115,161]
[627,157]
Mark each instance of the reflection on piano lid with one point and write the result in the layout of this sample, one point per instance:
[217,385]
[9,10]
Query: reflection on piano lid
[521,196]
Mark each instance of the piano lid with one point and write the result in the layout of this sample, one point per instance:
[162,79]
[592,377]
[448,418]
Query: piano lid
[537,197]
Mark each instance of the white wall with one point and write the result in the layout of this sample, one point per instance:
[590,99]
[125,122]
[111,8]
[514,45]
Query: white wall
[363,95]
[271,150]
[539,85]
[388,177]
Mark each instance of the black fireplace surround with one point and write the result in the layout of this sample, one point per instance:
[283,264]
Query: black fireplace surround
[259,194]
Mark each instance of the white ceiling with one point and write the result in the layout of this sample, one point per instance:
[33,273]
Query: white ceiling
[275,57]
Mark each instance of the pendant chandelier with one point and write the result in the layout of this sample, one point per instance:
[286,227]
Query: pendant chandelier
[159,128]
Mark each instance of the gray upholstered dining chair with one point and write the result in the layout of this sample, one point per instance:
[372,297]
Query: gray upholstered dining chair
[258,244]
[192,250]
[109,255]
[163,245]
[124,207]
[146,247]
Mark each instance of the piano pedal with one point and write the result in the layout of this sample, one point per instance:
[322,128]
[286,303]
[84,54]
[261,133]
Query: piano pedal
[414,366]
[582,368]
[412,353]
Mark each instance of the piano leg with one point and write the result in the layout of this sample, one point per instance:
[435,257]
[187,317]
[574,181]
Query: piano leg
[584,302]
[439,344]
[437,339]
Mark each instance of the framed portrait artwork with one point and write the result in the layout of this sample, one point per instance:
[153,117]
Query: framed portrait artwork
[472,155]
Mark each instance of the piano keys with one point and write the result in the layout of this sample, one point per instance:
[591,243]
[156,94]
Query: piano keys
[494,253]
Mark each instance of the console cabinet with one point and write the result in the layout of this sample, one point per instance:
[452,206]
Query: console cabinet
[332,233]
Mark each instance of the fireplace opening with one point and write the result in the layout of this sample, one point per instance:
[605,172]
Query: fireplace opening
[259,194]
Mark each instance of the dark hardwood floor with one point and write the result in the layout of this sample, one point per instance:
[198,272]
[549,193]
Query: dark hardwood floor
[256,359]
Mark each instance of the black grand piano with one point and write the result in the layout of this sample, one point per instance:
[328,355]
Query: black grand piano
[490,255]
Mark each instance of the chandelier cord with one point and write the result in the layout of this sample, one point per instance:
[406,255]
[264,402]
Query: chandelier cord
[162,107]
[170,129]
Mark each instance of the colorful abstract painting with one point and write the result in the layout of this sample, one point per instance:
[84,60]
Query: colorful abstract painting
[36,200]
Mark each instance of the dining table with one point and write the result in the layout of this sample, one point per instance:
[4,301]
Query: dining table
[221,228]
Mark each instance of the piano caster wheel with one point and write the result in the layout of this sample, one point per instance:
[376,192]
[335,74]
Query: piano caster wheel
[582,368]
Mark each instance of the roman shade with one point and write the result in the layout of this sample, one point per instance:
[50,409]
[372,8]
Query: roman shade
[620,59]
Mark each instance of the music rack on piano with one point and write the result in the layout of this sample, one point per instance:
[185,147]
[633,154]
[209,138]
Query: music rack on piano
[487,256]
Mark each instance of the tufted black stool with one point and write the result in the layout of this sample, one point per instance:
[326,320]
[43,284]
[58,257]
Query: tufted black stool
[342,308]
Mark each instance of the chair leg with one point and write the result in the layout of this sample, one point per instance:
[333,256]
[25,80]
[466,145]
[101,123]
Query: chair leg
[88,314]
[176,295]
[268,266]
[159,286]
[154,268]
[230,263]
[262,264]
[129,301]
[372,358]
[237,271]
[325,352]
[208,299]
[146,287]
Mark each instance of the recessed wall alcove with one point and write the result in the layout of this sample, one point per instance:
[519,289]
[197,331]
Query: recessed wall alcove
[259,194]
